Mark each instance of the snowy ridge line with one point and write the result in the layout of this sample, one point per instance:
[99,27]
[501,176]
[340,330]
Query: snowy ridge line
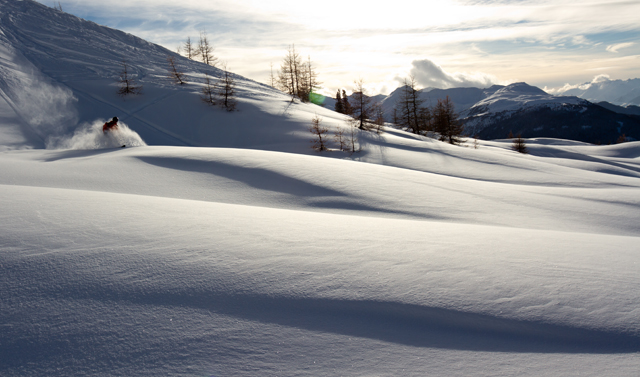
[539,151]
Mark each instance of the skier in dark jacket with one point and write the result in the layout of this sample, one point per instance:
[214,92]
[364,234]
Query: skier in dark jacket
[111,125]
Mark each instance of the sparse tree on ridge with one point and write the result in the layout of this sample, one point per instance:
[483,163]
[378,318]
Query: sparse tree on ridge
[363,107]
[174,74]
[352,139]
[205,50]
[127,82]
[409,110]
[311,77]
[189,49]
[340,138]
[286,74]
[446,123]
[318,143]
[208,91]
[272,79]
[296,78]
[289,76]
[225,89]
[378,118]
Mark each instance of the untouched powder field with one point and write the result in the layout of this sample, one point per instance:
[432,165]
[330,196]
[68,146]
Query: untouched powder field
[220,244]
[209,262]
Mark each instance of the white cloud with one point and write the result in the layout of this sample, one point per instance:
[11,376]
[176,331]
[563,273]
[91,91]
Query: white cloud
[584,86]
[600,78]
[619,46]
[429,74]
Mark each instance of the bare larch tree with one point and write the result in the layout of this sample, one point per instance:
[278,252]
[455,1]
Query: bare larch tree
[318,143]
[363,108]
[189,49]
[127,82]
[208,92]
[226,89]
[446,123]
[205,50]
[296,78]
[174,74]
[410,113]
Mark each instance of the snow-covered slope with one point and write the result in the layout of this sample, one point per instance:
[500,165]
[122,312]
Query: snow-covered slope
[49,54]
[411,257]
[197,261]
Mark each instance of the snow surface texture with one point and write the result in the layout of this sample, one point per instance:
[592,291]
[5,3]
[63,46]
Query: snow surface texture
[411,257]
[164,260]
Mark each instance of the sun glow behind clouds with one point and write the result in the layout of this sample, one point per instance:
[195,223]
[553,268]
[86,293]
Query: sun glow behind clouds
[354,15]
[538,41]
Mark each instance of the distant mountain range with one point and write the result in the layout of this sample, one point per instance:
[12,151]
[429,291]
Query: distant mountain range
[519,108]
[617,92]
[529,111]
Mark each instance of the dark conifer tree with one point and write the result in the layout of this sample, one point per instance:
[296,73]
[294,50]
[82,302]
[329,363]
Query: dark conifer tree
[346,106]
[519,145]
[339,105]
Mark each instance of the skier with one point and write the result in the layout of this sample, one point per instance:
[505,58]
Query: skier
[111,125]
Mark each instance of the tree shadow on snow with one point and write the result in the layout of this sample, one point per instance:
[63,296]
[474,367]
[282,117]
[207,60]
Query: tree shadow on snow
[406,324]
[412,325]
[403,324]
[315,195]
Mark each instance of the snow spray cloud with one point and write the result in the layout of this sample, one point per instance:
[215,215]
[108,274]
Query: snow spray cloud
[90,136]
[47,107]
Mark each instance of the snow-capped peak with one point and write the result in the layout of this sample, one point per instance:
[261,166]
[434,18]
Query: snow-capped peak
[518,96]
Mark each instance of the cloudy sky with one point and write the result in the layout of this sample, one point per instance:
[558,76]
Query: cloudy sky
[443,43]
